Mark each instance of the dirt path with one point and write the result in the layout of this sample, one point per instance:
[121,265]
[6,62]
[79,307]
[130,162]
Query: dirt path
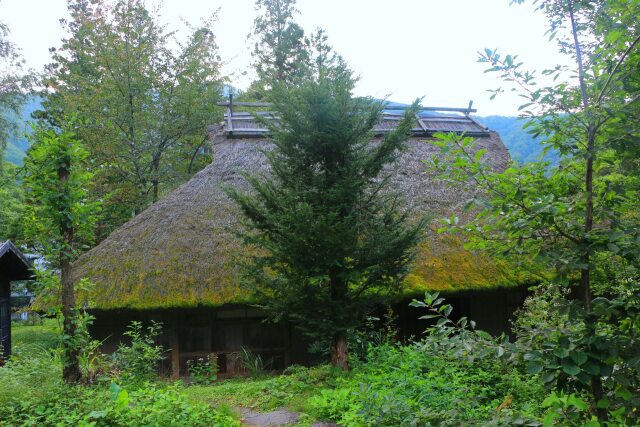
[279,417]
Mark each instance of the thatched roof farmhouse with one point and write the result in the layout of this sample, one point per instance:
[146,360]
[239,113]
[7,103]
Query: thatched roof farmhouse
[180,255]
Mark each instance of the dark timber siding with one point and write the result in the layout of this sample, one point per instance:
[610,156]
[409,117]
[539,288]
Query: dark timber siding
[492,310]
[198,332]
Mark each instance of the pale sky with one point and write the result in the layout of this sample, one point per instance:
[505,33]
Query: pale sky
[401,49]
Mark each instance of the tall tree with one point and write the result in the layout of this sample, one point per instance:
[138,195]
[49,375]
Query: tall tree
[570,216]
[147,105]
[280,49]
[60,216]
[329,241]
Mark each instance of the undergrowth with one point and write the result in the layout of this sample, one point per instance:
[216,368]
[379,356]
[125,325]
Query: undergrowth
[292,389]
[32,393]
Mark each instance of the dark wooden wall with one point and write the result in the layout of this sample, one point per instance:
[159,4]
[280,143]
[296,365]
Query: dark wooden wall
[199,332]
[492,310]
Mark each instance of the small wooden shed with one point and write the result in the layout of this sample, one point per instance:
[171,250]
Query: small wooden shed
[13,266]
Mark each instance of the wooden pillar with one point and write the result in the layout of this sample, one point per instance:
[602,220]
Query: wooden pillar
[175,351]
[5,317]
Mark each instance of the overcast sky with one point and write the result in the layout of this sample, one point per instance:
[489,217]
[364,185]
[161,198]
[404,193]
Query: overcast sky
[402,49]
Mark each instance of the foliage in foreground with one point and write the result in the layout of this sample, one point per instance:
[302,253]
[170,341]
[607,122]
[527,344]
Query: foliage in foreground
[32,393]
[405,386]
[292,389]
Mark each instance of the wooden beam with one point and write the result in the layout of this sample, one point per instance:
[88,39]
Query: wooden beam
[175,351]
[447,120]
[388,107]
[478,123]
[402,107]
[229,123]
[245,104]
[251,130]
[421,123]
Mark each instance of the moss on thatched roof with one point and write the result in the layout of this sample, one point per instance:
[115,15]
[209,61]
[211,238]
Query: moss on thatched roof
[183,250]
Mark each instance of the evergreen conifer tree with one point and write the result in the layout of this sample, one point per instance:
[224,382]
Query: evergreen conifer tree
[329,238]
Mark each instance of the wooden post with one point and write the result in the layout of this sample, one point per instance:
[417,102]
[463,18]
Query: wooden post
[175,351]
[469,109]
[5,317]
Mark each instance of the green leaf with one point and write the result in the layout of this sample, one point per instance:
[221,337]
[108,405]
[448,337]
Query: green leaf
[579,357]
[591,368]
[549,419]
[569,368]
[534,367]
[550,400]
[548,376]
[577,402]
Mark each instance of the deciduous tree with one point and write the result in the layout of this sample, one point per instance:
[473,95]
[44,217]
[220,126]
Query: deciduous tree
[146,98]
[60,216]
[566,218]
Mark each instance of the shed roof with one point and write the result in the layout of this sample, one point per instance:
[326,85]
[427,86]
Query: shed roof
[183,250]
[13,264]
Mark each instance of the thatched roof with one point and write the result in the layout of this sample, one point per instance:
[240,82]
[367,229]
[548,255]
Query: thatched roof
[183,250]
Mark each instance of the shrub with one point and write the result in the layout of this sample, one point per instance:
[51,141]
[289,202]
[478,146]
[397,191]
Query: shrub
[203,370]
[150,405]
[405,386]
[154,406]
[138,361]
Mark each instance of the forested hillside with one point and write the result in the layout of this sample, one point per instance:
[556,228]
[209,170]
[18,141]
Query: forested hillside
[17,144]
[522,146]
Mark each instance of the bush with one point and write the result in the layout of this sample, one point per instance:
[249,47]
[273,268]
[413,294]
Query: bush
[150,405]
[154,406]
[405,386]
[203,370]
[32,393]
[32,374]
[138,361]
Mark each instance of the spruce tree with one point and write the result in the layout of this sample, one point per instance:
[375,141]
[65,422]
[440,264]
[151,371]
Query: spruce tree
[328,239]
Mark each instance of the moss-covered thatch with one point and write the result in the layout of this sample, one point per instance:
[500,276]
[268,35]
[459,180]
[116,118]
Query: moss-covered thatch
[183,251]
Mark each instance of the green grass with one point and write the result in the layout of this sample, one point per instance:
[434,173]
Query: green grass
[291,390]
[44,335]
[398,385]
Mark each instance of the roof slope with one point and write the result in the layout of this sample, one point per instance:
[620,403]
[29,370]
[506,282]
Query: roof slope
[13,264]
[183,250]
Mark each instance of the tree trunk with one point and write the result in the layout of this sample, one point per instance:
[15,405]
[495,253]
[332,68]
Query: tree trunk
[585,274]
[155,179]
[154,193]
[71,364]
[339,351]
[71,368]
